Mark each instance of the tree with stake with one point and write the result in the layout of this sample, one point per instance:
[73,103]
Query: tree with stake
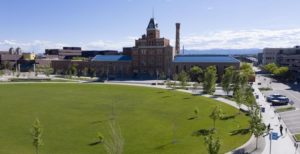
[114,143]
[213,145]
[196,73]
[216,114]
[239,97]
[227,79]
[37,135]
[210,78]
[257,127]
[183,77]
[175,78]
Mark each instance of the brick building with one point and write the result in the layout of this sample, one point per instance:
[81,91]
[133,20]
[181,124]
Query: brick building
[151,55]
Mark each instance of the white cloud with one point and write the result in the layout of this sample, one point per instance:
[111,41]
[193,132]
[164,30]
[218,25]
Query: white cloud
[255,38]
[242,39]
[39,46]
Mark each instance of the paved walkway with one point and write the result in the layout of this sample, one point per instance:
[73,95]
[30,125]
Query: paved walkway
[284,144]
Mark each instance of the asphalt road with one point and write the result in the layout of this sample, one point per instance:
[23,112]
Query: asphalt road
[290,118]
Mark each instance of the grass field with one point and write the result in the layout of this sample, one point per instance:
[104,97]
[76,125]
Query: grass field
[72,114]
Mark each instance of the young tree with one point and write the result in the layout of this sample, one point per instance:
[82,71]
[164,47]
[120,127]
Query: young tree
[257,127]
[168,83]
[37,135]
[239,97]
[196,73]
[216,114]
[213,145]
[227,79]
[85,71]
[210,78]
[114,143]
[175,78]
[183,77]
[249,98]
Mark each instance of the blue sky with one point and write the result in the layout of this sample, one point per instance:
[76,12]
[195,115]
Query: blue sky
[112,24]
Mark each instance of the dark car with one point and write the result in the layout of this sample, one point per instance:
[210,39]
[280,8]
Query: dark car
[277,99]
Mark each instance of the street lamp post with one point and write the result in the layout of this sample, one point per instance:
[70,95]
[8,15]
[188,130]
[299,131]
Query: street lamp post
[270,137]
[296,147]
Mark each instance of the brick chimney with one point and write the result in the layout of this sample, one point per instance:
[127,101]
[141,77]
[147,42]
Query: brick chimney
[177,44]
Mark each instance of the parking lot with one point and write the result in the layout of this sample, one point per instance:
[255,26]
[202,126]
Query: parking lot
[290,118]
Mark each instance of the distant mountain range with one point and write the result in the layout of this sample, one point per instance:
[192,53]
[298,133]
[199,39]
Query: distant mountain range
[225,51]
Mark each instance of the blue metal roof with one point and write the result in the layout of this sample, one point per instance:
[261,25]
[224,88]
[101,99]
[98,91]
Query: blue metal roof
[112,58]
[205,59]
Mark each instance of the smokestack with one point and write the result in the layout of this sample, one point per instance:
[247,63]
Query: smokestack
[177,44]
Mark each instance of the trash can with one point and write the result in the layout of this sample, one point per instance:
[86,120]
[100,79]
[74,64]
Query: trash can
[263,109]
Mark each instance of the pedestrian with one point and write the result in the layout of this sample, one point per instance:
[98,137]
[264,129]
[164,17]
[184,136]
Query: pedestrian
[269,127]
[281,128]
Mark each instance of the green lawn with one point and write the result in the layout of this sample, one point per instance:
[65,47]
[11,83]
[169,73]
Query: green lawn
[297,137]
[72,114]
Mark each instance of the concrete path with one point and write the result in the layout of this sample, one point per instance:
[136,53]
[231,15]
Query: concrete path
[284,144]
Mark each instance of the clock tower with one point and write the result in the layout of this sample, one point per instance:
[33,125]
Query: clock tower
[152,30]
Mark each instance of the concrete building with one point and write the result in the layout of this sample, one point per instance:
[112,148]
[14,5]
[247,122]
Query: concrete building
[270,55]
[289,57]
[93,53]
[28,56]
[65,53]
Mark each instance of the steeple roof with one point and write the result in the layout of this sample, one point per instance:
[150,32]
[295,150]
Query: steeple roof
[152,24]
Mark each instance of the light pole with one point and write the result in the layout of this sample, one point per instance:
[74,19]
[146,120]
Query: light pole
[296,147]
[270,137]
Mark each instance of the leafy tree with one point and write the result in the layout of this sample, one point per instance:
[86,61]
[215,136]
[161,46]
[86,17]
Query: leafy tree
[281,71]
[227,79]
[183,77]
[210,78]
[85,71]
[1,72]
[196,73]
[162,76]
[48,71]
[249,98]
[270,67]
[216,114]
[239,97]
[257,127]
[213,144]
[37,135]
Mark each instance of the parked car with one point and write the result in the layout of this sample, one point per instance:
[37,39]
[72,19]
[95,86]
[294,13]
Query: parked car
[277,99]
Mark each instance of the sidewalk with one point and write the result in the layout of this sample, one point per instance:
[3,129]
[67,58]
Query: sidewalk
[284,144]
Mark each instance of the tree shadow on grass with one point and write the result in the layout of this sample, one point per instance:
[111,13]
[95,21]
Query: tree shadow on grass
[243,131]
[187,98]
[192,118]
[165,96]
[161,147]
[203,132]
[160,92]
[228,117]
[95,143]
